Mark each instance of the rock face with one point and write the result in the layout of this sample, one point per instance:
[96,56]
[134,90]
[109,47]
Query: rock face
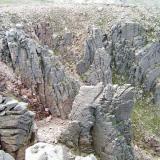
[134,57]
[126,38]
[5,156]
[43,151]
[83,112]
[16,126]
[95,65]
[111,132]
[104,119]
[40,70]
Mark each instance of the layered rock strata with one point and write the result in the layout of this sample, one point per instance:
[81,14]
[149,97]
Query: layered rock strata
[17,130]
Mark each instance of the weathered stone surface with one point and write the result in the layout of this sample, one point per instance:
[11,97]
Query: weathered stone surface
[126,38]
[133,57]
[104,118]
[111,132]
[40,70]
[16,127]
[5,156]
[90,157]
[83,112]
[147,70]
[157,92]
[95,64]
[44,33]
[70,136]
[44,151]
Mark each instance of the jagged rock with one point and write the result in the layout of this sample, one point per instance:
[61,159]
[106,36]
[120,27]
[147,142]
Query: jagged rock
[44,33]
[83,112]
[111,132]
[147,70]
[147,60]
[100,70]
[104,118]
[126,38]
[5,156]
[133,57]
[95,65]
[41,71]
[16,127]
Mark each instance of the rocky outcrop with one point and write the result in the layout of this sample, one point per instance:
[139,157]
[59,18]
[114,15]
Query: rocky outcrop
[111,132]
[95,64]
[44,33]
[133,57]
[16,126]
[126,38]
[40,70]
[43,151]
[83,112]
[5,156]
[104,119]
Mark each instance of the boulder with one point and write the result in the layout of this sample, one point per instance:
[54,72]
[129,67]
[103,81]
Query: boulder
[16,127]
[5,156]
[44,151]
[90,157]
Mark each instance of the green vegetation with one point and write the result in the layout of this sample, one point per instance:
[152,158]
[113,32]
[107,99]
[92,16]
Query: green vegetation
[118,79]
[83,77]
[145,119]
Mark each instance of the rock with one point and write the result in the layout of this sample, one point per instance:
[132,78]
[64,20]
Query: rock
[147,69]
[67,38]
[157,92]
[100,9]
[44,151]
[43,32]
[5,156]
[41,71]
[126,38]
[104,118]
[82,111]
[1,99]
[95,65]
[111,132]
[70,135]
[16,127]
[136,60]
[90,157]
